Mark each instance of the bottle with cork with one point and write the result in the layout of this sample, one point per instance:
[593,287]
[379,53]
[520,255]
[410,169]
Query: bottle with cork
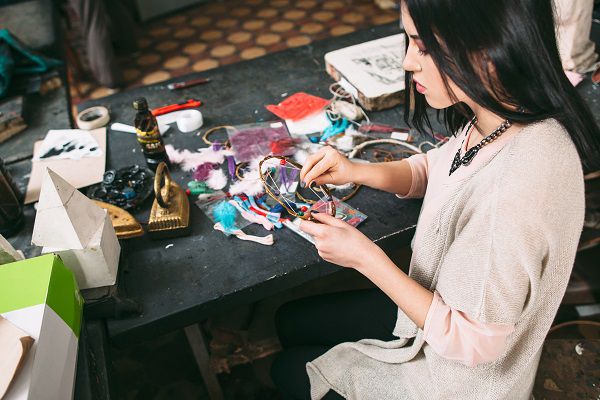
[148,135]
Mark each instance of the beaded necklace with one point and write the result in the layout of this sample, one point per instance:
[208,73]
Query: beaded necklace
[472,152]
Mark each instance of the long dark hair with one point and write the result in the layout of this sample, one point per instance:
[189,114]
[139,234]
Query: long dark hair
[528,84]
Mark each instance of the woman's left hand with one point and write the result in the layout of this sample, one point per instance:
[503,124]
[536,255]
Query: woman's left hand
[341,243]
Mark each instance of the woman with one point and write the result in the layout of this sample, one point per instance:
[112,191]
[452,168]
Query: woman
[502,213]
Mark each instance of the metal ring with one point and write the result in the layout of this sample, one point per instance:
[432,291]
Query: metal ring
[216,128]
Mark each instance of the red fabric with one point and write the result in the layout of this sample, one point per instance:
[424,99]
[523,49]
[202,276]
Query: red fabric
[298,106]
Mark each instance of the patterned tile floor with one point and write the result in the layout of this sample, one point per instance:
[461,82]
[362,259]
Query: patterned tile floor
[218,33]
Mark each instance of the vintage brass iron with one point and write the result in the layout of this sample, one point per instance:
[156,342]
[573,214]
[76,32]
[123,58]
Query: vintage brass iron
[170,214]
[125,224]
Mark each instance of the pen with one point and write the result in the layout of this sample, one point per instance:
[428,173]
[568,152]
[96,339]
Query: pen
[186,84]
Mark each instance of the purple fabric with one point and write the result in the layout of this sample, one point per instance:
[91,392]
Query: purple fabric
[249,144]
[203,171]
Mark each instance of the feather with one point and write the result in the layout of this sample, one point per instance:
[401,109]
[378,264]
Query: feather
[225,214]
[250,187]
[216,179]
[190,160]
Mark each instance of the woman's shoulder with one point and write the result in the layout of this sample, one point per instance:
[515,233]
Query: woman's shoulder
[544,148]
[542,162]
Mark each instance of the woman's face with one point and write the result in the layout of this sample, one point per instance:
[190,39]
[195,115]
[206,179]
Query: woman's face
[426,75]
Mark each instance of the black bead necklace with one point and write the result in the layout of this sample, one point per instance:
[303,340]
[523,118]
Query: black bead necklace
[472,152]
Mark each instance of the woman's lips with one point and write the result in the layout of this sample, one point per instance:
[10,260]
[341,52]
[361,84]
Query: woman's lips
[420,88]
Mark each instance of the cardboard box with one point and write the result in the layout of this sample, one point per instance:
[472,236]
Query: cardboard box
[40,296]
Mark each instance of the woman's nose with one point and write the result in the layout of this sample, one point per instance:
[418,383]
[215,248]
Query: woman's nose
[410,64]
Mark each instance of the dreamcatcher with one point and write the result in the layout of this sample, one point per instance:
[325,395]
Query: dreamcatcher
[373,151]
[280,177]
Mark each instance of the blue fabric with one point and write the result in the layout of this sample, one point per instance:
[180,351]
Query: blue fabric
[16,58]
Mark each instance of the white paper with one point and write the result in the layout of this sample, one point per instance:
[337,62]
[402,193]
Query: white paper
[400,136]
[374,68]
[73,144]
[313,123]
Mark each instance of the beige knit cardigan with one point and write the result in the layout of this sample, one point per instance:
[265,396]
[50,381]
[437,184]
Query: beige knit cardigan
[500,248]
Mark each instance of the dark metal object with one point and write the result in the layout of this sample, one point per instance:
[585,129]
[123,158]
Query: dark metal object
[472,152]
[126,188]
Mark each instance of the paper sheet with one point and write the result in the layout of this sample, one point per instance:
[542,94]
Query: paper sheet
[74,144]
[79,173]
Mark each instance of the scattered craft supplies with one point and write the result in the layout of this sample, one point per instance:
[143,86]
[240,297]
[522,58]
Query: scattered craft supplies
[250,141]
[72,226]
[72,144]
[40,297]
[280,177]
[344,211]
[372,71]
[79,173]
[127,187]
[298,106]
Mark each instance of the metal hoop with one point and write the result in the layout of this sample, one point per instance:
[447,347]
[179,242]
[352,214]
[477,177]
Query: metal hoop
[322,188]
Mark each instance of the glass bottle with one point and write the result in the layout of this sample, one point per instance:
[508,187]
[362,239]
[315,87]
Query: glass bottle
[148,135]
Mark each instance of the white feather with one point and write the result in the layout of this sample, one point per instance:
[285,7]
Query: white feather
[190,160]
[251,187]
[216,180]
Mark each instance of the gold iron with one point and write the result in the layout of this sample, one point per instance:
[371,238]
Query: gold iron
[125,224]
[170,214]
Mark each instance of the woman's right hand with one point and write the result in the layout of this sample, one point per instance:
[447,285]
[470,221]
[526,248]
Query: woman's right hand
[327,166]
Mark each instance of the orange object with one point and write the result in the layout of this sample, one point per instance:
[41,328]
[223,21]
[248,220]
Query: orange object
[191,103]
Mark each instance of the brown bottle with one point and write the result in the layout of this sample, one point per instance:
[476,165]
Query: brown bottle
[148,135]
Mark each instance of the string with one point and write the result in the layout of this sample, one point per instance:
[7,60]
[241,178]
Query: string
[277,191]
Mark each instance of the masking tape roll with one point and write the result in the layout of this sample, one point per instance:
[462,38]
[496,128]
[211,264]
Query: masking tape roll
[92,118]
[189,120]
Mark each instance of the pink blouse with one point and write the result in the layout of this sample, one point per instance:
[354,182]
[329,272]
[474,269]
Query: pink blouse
[451,333]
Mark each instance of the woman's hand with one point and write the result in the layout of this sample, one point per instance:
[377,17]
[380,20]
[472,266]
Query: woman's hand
[327,166]
[341,243]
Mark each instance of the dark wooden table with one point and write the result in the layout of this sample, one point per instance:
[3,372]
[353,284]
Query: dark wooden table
[207,272]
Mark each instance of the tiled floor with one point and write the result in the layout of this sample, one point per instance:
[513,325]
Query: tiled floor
[218,33]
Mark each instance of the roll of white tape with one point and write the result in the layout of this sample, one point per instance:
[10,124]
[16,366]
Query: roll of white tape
[189,120]
[92,118]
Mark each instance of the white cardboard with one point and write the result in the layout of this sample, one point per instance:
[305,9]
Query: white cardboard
[65,218]
[373,68]
[48,371]
[95,265]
